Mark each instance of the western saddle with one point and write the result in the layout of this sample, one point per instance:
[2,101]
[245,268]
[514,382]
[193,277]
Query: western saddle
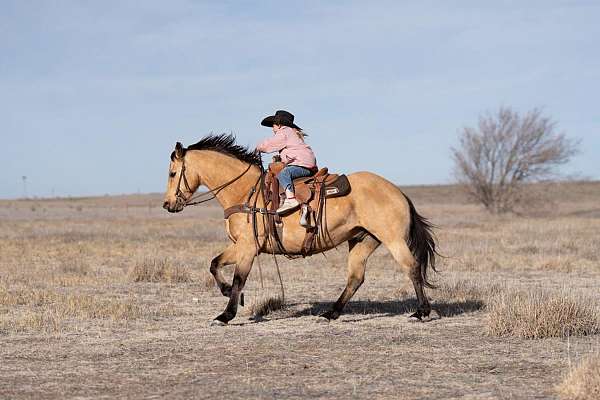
[312,193]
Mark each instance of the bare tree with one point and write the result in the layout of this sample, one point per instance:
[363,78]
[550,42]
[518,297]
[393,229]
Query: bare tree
[507,150]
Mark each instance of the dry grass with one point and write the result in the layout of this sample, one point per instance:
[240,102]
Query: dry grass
[20,295]
[41,310]
[583,381]
[532,314]
[96,301]
[265,304]
[34,309]
[162,270]
[91,307]
[537,314]
[47,321]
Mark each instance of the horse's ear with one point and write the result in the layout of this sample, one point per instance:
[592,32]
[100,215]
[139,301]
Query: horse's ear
[178,150]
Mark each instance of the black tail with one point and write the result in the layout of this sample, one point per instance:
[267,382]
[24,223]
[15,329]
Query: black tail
[421,242]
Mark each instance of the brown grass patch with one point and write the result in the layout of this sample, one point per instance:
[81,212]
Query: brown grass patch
[20,296]
[583,381]
[540,314]
[265,304]
[41,310]
[75,269]
[91,307]
[70,305]
[45,321]
[161,270]
[46,311]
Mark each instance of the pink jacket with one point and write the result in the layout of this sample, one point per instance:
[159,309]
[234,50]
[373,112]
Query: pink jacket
[291,148]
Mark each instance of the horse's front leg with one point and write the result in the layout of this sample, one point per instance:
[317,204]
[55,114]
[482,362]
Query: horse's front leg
[242,269]
[227,257]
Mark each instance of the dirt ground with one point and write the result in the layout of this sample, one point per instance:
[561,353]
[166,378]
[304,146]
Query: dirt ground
[75,322]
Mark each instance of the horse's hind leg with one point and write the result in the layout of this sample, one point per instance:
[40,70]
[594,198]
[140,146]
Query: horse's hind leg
[424,308]
[360,250]
[404,257]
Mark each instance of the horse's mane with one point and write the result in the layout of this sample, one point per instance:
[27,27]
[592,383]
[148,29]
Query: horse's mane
[225,144]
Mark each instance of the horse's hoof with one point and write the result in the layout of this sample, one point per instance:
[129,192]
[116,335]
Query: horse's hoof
[330,315]
[415,317]
[323,320]
[433,315]
[216,322]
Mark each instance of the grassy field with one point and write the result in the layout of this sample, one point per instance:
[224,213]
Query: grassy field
[111,297]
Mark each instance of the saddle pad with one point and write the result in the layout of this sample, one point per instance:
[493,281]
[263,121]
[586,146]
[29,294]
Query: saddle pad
[340,187]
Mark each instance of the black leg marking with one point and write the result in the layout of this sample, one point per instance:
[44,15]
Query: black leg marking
[331,314]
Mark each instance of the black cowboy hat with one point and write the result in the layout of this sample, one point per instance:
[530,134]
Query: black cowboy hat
[281,117]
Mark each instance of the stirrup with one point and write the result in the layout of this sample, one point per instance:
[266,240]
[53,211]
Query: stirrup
[305,217]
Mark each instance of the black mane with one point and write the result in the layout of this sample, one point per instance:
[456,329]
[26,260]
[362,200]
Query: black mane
[225,143]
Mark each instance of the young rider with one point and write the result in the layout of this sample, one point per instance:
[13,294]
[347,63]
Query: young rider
[298,157]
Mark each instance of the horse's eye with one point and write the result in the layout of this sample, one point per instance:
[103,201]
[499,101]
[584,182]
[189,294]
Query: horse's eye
[172,174]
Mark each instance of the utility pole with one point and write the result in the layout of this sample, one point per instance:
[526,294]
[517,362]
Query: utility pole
[24,186]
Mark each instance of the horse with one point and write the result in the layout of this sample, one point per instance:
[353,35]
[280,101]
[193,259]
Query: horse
[374,212]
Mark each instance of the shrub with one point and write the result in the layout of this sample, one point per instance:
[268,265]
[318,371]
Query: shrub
[265,304]
[539,314]
[161,270]
[583,381]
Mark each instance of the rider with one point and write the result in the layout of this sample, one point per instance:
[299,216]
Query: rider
[298,157]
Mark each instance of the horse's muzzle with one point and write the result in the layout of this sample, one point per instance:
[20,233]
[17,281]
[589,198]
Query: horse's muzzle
[176,208]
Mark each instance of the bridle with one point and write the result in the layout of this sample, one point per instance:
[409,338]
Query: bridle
[193,200]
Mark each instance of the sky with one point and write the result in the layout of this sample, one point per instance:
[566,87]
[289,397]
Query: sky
[94,94]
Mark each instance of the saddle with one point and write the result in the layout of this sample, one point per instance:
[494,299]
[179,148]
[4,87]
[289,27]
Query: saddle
[312,193]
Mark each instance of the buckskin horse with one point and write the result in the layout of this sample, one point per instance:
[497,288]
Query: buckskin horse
[374,212]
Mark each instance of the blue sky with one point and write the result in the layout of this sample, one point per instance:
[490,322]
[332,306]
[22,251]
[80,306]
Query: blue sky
[94,94]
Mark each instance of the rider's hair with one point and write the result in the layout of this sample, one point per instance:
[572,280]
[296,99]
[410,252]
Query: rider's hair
[300,133]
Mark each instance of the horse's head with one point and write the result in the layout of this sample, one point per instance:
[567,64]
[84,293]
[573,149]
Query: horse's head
[182,182]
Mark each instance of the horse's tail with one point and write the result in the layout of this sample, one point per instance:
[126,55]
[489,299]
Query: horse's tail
[421,242]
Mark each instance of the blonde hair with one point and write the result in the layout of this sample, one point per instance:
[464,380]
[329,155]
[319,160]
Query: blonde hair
[300,133]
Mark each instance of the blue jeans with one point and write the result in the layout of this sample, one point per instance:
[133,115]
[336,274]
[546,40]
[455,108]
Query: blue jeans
[291,172]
